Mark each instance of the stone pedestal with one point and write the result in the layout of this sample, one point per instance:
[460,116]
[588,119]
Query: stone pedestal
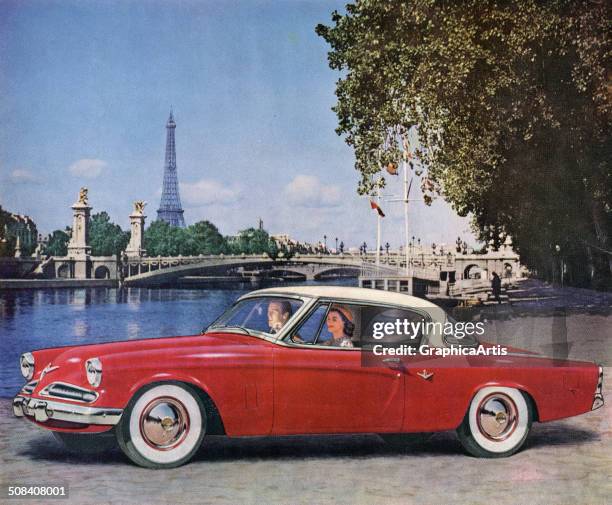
[77,247]
[136,246]
[78,250]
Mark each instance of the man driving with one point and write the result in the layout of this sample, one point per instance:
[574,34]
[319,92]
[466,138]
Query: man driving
[279,312]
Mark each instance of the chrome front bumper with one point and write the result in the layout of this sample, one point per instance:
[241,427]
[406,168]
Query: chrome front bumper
[598,399]
[45,410]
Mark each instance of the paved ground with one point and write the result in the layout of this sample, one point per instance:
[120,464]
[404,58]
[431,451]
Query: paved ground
[564,462]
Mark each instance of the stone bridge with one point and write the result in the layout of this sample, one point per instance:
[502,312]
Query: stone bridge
[157,271]
[427,273]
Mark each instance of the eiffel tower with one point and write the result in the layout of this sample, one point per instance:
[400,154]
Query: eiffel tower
[170,209]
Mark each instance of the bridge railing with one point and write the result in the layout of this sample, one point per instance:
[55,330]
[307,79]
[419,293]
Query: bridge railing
[416,260]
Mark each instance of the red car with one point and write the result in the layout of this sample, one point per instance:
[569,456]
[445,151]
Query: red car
[300,361]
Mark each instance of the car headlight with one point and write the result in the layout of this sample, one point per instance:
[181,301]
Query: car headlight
[26,362]
[93,367]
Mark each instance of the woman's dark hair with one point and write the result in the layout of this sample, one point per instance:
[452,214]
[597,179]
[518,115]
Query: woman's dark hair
[349,327]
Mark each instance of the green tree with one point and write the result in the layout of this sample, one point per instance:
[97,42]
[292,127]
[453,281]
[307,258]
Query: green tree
[58,243]
[512,106]
[253,241]
[161,239]
[207,239]
[106,238]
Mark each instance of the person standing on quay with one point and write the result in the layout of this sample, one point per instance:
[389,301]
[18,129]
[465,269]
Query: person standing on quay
[496,287]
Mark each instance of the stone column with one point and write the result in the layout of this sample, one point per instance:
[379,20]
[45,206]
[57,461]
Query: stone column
[137,223]
[18,247]
[78,250]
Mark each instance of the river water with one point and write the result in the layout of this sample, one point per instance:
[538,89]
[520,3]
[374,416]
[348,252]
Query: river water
[35,319]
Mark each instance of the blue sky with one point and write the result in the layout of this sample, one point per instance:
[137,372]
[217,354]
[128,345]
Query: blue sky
[85,91]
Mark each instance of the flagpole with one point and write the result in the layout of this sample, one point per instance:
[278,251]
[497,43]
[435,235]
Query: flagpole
[378,226]
[407,252]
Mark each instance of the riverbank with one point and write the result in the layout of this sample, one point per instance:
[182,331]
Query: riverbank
[57,283]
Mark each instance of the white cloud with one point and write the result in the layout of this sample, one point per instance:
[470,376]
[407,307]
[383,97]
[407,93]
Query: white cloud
[206,192]
[309,191]
[22,176]
[88,168]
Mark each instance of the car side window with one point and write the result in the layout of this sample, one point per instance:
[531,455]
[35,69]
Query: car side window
[383,325]
[307,332]
[342,326]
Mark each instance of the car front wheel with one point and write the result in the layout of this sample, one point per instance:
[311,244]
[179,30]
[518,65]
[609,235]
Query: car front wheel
[162,426]
[497,422]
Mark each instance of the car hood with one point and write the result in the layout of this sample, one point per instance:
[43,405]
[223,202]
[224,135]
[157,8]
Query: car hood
[80,353]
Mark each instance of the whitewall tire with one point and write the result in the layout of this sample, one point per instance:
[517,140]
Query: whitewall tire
[497,422]
[162,426]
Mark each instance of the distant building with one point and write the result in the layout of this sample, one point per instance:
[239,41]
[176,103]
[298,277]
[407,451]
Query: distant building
[283,240]
[13,226]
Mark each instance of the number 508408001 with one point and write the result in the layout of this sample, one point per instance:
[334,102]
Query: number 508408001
[49,491]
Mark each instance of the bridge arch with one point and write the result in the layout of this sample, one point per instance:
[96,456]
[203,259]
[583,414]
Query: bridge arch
[338,271]
[102,272]
[63,271]
[286,273]
[170,269]
[474,271]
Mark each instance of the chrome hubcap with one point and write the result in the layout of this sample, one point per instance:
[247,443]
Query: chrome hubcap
[164,423]
[497,416]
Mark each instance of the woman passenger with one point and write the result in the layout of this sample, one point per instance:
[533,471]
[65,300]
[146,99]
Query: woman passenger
[340,324]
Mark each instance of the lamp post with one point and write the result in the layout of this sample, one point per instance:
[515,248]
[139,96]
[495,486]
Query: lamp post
[336,245]
[561,266]
[378,226]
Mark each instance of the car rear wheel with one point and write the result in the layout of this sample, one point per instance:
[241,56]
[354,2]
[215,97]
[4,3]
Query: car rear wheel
[162,426]
[497,422]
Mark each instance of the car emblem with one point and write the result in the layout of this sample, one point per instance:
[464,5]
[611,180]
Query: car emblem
[48,369]
[425,374]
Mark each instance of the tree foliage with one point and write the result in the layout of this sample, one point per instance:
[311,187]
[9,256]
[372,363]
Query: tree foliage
[253,241]
[161,239]
[511,101]
[105,237]
[203,237]
[207,238]
[58,243]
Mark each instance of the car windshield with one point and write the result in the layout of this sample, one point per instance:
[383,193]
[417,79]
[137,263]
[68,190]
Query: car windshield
[267,315]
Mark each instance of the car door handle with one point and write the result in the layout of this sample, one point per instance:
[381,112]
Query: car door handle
[394,363]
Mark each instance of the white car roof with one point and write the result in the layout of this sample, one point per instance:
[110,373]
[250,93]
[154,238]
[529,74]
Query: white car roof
[357,294]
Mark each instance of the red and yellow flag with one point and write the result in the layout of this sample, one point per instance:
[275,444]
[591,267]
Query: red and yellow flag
[376,207]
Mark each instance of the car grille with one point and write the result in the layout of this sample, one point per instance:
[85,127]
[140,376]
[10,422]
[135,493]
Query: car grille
[29,387]
[69,392]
